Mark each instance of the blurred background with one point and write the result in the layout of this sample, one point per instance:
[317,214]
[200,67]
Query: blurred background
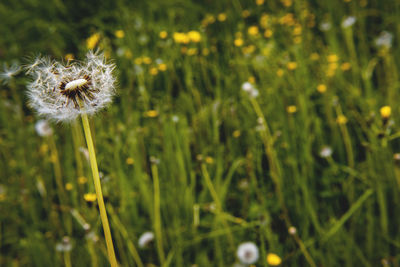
[272,122]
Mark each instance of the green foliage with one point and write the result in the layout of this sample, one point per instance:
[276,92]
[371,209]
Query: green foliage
[224,167]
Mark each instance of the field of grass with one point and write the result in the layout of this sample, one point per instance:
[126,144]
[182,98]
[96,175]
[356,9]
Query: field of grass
[273,122]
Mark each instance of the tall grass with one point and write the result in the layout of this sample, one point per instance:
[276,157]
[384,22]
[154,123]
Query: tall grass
[187,154]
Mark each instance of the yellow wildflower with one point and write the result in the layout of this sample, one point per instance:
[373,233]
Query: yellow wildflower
[129,161]
[221,17]
[268,33]
[291,109]
[69,57]
[153,71]
[205,51]
[321,88]
[251,79]
[90,197]
[82,180]
[151,113]
[162,67]
[236,133]
[273,259]
[345,66]
[192,51]
[163,34]
[194,36]
[119,34]
[146,60]
[253,30]
[385,111]
[209,160]
[259,2]
[92,41]
[69,186]
[264,20]
[280,72]
[245,13]
[314,56]
[341,119]
[138,61]
[181,38]
[292,65]
[332,58]
[238,42]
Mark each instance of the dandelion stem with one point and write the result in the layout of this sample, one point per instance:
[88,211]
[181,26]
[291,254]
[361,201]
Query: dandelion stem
[99,194]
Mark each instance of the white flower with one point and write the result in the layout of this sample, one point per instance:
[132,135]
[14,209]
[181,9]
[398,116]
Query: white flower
[65,245]
[145,239]
[9,72]
[250,89]
[63,92]
[325,26]
[43,128]
[325,152]
[348,22]
[247,253]
[384,40]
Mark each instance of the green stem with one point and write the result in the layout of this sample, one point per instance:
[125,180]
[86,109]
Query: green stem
[99,194]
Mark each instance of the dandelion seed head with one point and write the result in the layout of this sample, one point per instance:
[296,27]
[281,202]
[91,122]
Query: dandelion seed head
[348,22]
[145,239]
[63,92]
[325,152]
[65,245]
[43,128]
[384,40]
[247,253]
[9,72]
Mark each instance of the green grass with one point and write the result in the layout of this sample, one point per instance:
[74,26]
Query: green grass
[212,167]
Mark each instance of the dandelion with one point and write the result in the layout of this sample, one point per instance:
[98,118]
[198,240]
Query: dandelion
[194,36]
[130,161]
[69,186]
[238,42]
[43,128]
[341,119]
[119,34]
[64,92]
[9,72]
[384,40]
[221,17]
[292,230]
[268,33]
[385,111]
[145,239]
[92,41]
[325,152]
[162,67]
[291,109]
[253,30]
[321,88]
[345,66]
[250,89]
[292,65]
[90,197]
[247,253]
[348,22]
[163,34]
[259,2]
[273,259]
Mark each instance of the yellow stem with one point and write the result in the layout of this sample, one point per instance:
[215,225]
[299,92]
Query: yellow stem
[99,194]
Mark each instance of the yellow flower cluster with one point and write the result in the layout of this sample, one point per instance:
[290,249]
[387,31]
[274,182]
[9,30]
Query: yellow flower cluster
[92,41]
[185,38]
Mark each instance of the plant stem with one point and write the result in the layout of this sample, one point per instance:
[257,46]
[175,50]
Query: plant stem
[99,194]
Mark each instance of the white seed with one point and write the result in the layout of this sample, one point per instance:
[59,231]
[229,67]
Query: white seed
[75,84]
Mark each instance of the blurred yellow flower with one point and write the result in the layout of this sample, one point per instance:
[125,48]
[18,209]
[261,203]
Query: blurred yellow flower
[249,49]
[205,52]
[264,20]
[82,180]
[69,186]
[209,160]
[297,39]
[287,3]
[146,60]
[119,34]
[341,119]
[128,54]
[288,19]
[69,57]
[181,38]
[221,17]
[163,34]
[321,88]
[238,42]
[297,30]
[151,113]
[245,13]
[153,71]
[251,79]
[138,61]
[292,65]
[345,66]
[291,109]
[129,161]
[273,259]
[268,33]
[314,56]
[259,2]
[332,58]
[280,72]
[385,111]
[192,51]
[162,67]
[90,197]
[92,41]
[253,30]
[236,133]
[194,36]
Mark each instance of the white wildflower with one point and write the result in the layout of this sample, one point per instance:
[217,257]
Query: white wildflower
[43,128]
[65,245]
[325,26]
[145,239]
[348,22]
[247,253]
[325,152]
[250,89]
[63,92]
[384,40]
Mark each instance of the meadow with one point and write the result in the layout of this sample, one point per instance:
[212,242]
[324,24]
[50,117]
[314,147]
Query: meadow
[272,122]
